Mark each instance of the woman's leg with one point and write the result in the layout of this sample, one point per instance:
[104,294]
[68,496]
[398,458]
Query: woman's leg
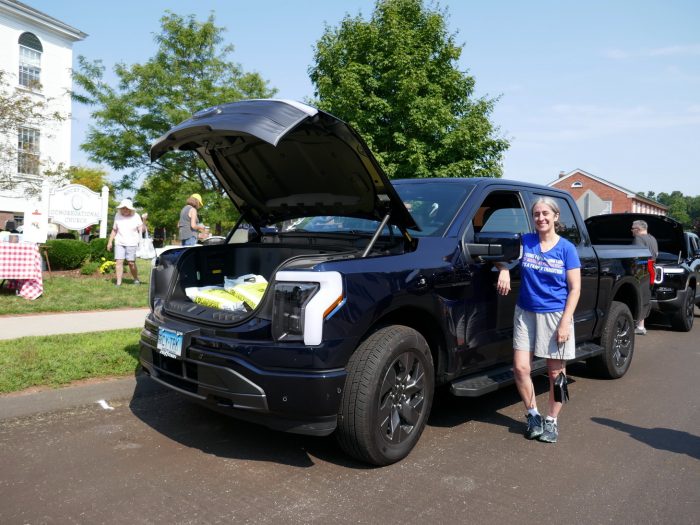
[134,271]
[120,270]
[554,366]
[522,365]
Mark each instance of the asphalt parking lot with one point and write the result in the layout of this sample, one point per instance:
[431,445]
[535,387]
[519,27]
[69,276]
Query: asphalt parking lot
[629,452]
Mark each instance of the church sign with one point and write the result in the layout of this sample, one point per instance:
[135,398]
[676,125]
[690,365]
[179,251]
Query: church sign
[77,207]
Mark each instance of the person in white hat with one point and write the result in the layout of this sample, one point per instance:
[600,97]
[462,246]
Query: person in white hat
[126,234]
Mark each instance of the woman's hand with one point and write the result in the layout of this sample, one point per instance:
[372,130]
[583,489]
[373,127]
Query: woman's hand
[503,284]
[563,330]
[109,246]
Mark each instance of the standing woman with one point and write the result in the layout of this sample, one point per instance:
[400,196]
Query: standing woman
[188,225]
[544,316]
[126,235]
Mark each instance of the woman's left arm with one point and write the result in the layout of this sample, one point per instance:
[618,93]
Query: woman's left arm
[573,281]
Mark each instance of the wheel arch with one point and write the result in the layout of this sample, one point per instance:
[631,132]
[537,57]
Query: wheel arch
[424,323]
[628,293]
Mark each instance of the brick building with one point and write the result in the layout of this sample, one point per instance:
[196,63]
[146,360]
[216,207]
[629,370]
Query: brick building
[596,196]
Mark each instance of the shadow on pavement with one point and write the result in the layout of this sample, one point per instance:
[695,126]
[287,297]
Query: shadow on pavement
[450,411]
[195,426]
[677,441]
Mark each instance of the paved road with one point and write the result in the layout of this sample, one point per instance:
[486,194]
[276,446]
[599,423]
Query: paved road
[629,453]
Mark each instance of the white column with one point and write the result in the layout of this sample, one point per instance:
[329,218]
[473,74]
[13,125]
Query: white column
[105,208]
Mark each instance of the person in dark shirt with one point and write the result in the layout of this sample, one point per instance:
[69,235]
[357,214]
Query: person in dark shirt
[643,238]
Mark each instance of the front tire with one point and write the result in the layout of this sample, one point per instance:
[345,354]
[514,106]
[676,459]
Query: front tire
[388,395]
[683,319]
[617,342]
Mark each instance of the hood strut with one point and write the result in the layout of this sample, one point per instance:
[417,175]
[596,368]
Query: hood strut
[376,235]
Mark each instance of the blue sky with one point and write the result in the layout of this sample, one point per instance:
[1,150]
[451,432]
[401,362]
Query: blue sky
[610,87]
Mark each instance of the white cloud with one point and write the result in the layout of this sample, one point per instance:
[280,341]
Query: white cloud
[566,122]
[616,54]
[693,49]
[667,51]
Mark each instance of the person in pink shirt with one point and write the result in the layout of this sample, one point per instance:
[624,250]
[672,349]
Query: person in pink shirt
[125,235]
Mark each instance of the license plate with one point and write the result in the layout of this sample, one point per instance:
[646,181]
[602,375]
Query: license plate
[170,343]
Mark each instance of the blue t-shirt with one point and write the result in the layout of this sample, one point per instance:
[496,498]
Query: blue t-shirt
[543,286]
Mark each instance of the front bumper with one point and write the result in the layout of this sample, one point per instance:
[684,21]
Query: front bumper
[291,400]
[668,302]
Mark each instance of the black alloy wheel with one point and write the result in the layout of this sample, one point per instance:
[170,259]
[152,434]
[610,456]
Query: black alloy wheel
[683,319]
[387,397]
[617,341]
[401,398]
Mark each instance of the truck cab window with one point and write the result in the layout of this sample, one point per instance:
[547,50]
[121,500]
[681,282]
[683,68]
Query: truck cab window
[567,222]
[501,211]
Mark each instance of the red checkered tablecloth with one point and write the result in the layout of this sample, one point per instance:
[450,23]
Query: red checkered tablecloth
[20,264]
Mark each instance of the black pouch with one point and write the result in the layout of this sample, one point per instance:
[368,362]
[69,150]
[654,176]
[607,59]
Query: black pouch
[561,388]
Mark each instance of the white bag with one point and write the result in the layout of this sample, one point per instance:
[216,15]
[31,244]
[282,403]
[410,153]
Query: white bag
[146,249]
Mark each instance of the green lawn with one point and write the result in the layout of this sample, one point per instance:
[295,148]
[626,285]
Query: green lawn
[60,359]
[65,293]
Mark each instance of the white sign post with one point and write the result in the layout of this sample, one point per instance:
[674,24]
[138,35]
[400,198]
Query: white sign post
[36,217]
[105,209]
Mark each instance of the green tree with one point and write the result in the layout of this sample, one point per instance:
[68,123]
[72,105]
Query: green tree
[20,108]
[395,79]
[694,212]
[93,178]
[190,71]
[677,206]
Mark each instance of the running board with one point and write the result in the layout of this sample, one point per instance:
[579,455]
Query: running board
[480,384]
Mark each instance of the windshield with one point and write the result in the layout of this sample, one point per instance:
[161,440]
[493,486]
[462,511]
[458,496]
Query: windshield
[432,206]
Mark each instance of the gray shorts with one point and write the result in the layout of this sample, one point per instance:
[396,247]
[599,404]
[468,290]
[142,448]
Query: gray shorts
[538,332]
[124,252]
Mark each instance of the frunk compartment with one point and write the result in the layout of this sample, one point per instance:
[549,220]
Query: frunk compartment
[209,265]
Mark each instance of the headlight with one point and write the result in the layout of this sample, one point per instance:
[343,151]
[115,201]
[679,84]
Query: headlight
[302,300]
[288,309]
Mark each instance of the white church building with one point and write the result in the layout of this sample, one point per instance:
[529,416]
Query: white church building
[36,56]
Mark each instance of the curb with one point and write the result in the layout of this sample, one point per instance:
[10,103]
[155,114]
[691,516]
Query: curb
[19,405]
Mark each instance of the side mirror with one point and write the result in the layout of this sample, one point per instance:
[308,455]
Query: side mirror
[214,239]
[495,246]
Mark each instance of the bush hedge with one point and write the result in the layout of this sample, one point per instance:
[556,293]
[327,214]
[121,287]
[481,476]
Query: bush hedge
[90,268]
[67,254]
[98,250]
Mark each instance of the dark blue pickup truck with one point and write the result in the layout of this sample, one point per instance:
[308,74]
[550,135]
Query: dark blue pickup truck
[378,292]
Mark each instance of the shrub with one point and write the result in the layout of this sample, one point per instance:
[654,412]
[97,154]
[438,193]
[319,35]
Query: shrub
[67,254]
[90,267]
[65,235]
[98,250]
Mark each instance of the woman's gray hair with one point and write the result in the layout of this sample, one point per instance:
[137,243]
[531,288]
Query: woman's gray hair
[552,204]
[642,225]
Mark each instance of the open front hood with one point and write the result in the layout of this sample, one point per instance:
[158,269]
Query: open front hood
[279,160]
[667,232]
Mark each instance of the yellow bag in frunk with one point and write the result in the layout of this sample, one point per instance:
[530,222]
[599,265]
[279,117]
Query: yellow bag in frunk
[215,298]
[249,293]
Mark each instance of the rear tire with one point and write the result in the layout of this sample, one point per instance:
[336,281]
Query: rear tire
[617,342]
[387,397]
[683,319]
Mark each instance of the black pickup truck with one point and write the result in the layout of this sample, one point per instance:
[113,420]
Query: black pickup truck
[675,291]
[369,306]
